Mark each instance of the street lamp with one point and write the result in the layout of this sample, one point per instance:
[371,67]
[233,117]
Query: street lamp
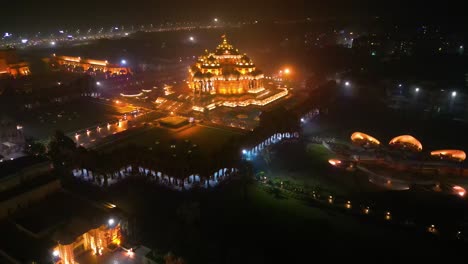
[416,89]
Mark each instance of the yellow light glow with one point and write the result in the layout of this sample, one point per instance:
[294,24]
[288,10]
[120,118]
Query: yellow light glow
[407,141]
[453,154]
[334,162]
[388,216]
[348,205]
[459,190]
[364,139]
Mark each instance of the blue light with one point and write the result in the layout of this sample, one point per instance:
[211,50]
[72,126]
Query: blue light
[244,151]
[123,62]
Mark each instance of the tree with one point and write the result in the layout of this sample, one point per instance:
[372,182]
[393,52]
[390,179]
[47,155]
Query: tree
[34,148]
[61,149]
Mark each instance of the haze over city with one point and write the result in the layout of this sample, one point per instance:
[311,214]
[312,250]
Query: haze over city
[153,132]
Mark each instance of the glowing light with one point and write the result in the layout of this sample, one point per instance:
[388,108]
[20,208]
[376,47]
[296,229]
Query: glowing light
[52,43]
[348,205]
[453,154]
[330,199]
[366,210]
[347,83]
[454,94]
[55,253]
[302,120]
[400,85]
[406,141]
[110,205]
[191,38]
[111,221]
[459,190]
[117,101]
[287,71]
[416,89]
[123,62]
[98,83]
[130,253]
[244,151]
[359,137]
[24,41]
[388,216]
[215,19]
[334,162]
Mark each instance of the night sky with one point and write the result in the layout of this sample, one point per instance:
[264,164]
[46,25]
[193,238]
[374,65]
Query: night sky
[29,15]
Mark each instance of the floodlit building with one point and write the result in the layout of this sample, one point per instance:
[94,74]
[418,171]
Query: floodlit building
[449,154]
[90,66]
[363,139]
[79,237]
[406,142]
[225,71]
[227,78]
[10,64]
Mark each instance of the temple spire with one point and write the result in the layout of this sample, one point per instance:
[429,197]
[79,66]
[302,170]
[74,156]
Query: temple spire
[224,38]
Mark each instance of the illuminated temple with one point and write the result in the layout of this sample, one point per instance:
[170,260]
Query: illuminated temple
[225,71]
[228,78]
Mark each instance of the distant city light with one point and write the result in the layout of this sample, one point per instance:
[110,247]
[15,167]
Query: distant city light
[215,20]
[61,31]
[116,28]
[347,83]
[7,35]
[461,47]
[302,120]
[126,33]
[416,89]
[454,94]
[459,190]
[400,85]
[191,38]
[52,43]
[123,62]
[98,83]
[111,221]
[24,41]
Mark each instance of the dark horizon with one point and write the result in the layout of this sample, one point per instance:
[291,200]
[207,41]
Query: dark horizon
[46,15]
